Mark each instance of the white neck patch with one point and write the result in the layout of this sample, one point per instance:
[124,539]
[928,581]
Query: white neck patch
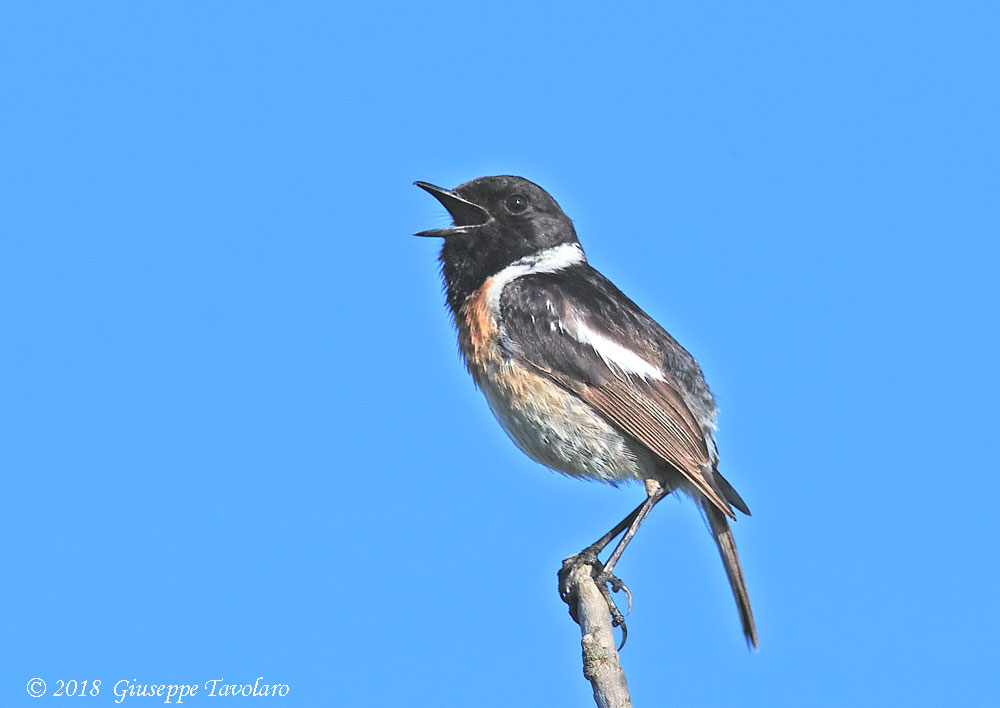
[548,260]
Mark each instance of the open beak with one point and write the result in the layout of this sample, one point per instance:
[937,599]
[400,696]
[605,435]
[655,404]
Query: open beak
[466,215]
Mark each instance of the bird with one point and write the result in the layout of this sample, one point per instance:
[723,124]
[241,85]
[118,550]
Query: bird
[582,380]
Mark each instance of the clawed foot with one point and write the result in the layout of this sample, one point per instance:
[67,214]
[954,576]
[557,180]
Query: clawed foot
[606,582]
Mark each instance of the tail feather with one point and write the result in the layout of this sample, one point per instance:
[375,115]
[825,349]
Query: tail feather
[730,494]
[731,560]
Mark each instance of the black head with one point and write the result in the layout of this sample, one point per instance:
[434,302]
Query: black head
[497,221]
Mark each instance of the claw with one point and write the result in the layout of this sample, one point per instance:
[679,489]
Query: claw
[628,593]
[617,585]
[617,620]
[603,580]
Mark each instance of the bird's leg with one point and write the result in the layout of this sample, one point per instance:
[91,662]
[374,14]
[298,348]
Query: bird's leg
[588,556]
[656,492]
[602,574]
[600,544]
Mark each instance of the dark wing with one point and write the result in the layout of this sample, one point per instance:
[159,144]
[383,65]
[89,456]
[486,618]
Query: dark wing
[577,328]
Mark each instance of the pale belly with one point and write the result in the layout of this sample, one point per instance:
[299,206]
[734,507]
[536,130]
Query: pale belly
[560,431]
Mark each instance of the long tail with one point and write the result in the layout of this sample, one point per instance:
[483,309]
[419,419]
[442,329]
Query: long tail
[731,559]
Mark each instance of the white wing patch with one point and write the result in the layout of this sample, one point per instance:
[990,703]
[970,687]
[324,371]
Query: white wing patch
[615,355]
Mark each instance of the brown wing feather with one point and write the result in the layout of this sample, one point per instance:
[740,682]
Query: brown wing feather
[542,312]
[655,415]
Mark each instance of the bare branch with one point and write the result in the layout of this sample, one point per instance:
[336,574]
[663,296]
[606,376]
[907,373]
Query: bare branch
[589,609]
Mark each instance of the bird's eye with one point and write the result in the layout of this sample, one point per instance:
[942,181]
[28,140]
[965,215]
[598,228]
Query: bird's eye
[516,203]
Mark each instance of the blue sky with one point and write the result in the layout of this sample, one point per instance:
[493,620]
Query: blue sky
[236,437]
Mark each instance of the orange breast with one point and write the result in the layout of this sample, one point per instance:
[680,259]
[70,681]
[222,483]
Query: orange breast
[478,331]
